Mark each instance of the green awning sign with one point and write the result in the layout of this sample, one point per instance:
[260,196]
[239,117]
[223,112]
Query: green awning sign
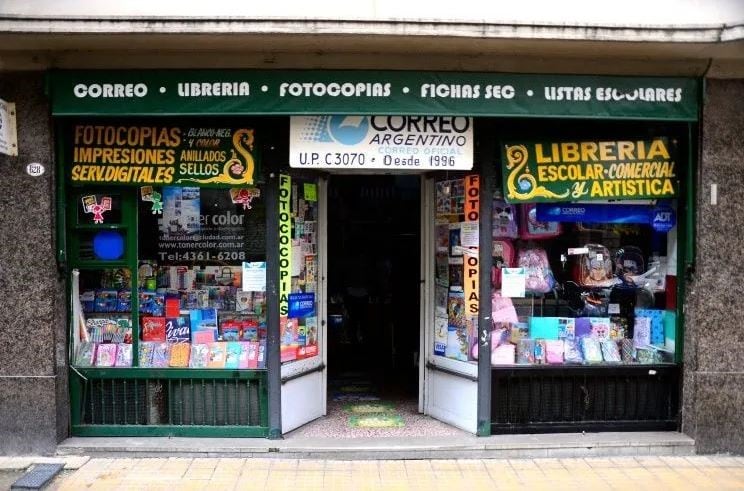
[589,170]
[330,92]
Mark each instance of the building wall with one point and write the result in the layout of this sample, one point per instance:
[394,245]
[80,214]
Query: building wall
[33,389]
[714,340]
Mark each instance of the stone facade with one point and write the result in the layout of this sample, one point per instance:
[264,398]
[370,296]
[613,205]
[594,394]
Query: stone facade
[33,388]
[714,336]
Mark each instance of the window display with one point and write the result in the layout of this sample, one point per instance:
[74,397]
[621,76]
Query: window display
[587,280]
[195,308]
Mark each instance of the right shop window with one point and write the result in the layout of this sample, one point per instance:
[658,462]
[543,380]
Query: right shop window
[584,253]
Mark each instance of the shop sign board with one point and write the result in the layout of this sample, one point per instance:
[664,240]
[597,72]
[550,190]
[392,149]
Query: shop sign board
[156,154]
[8,134]
[381,142]
[555,171]
[285,243]
[367,92]
[662,218]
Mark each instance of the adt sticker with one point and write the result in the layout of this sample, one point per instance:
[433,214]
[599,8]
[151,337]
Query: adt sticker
[663,218]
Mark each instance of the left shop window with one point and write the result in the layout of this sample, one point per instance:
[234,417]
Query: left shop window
[200,283]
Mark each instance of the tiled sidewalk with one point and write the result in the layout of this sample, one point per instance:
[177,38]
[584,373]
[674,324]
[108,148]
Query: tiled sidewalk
[632,473]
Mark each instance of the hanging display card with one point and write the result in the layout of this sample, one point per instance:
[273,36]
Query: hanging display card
[513,282]
[254,276]
[469,234]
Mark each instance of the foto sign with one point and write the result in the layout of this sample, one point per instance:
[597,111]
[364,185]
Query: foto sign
[381,142]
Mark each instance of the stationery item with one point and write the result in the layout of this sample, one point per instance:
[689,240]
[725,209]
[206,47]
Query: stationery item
[106,300]
[123,355]
[670,330]
[243,356]
[618,327]
[532,228]
[583,327]
[642,332]
[502,309]
[145,354]
[540,351]
[199,356]
[554,349]
[591,349]
[518,331]
[179,355]
[106,355]
[232,354]
[217,355]
[544,328]
[610,351]
[203,325]
[178,330]
[153,329]
[566,328]
[504,220]
[173,306]
[86,354]
[572,351]
[504,354]
[243,301]
[231,330]
[526,351]
[656,318]
[600,327]
[261,354]
[456,309]
[160,355]
[627,351]
[88,301]
[645,355]
[124,301]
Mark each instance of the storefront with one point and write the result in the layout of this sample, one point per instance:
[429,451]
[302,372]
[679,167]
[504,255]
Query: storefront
[194,213]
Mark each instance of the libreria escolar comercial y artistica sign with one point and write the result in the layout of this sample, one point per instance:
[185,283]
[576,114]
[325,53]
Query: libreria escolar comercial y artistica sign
[589,170]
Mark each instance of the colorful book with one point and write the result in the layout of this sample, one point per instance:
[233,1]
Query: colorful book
[179,355]
[199,356]
[145,354]
[217,355]
[571,351]
[456,309]
[106,355]
[153,329]
[243,358]
[232,354]
[540,351]
[526,351]
[178,329]
[123,355]
[86,354]
[203,320]
[554,351]
[231,330]
[106,300]
[160,355]
[261,354]
[252,357]
[591,349]
[610,351]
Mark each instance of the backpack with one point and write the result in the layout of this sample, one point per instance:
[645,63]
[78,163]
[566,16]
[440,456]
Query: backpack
[595,268]
[629,260]
[531,228]
[504,220]
[503,257]
[538,275]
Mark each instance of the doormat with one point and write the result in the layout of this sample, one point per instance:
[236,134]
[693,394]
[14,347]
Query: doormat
[354,397]
[371,407]
[376,421]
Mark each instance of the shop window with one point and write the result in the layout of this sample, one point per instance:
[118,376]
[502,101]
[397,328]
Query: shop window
[456,269]
[587,281]
[200,285]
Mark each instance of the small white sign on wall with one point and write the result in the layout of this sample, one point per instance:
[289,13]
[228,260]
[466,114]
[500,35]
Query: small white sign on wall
[8,134]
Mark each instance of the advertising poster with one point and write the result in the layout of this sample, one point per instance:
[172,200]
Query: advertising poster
[140,155]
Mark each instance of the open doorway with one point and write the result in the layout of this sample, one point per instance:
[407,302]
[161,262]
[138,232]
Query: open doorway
[374,249]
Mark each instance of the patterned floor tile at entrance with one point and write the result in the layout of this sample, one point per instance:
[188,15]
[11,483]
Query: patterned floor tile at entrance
[637,473]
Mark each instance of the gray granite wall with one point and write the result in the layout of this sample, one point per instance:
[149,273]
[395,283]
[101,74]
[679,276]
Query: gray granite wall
[713,404]
[33,388]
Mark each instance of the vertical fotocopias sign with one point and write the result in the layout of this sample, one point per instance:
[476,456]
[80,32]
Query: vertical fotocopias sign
[472,218]
[285,243]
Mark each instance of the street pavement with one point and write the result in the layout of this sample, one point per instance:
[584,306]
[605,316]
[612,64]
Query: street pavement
[621,473]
